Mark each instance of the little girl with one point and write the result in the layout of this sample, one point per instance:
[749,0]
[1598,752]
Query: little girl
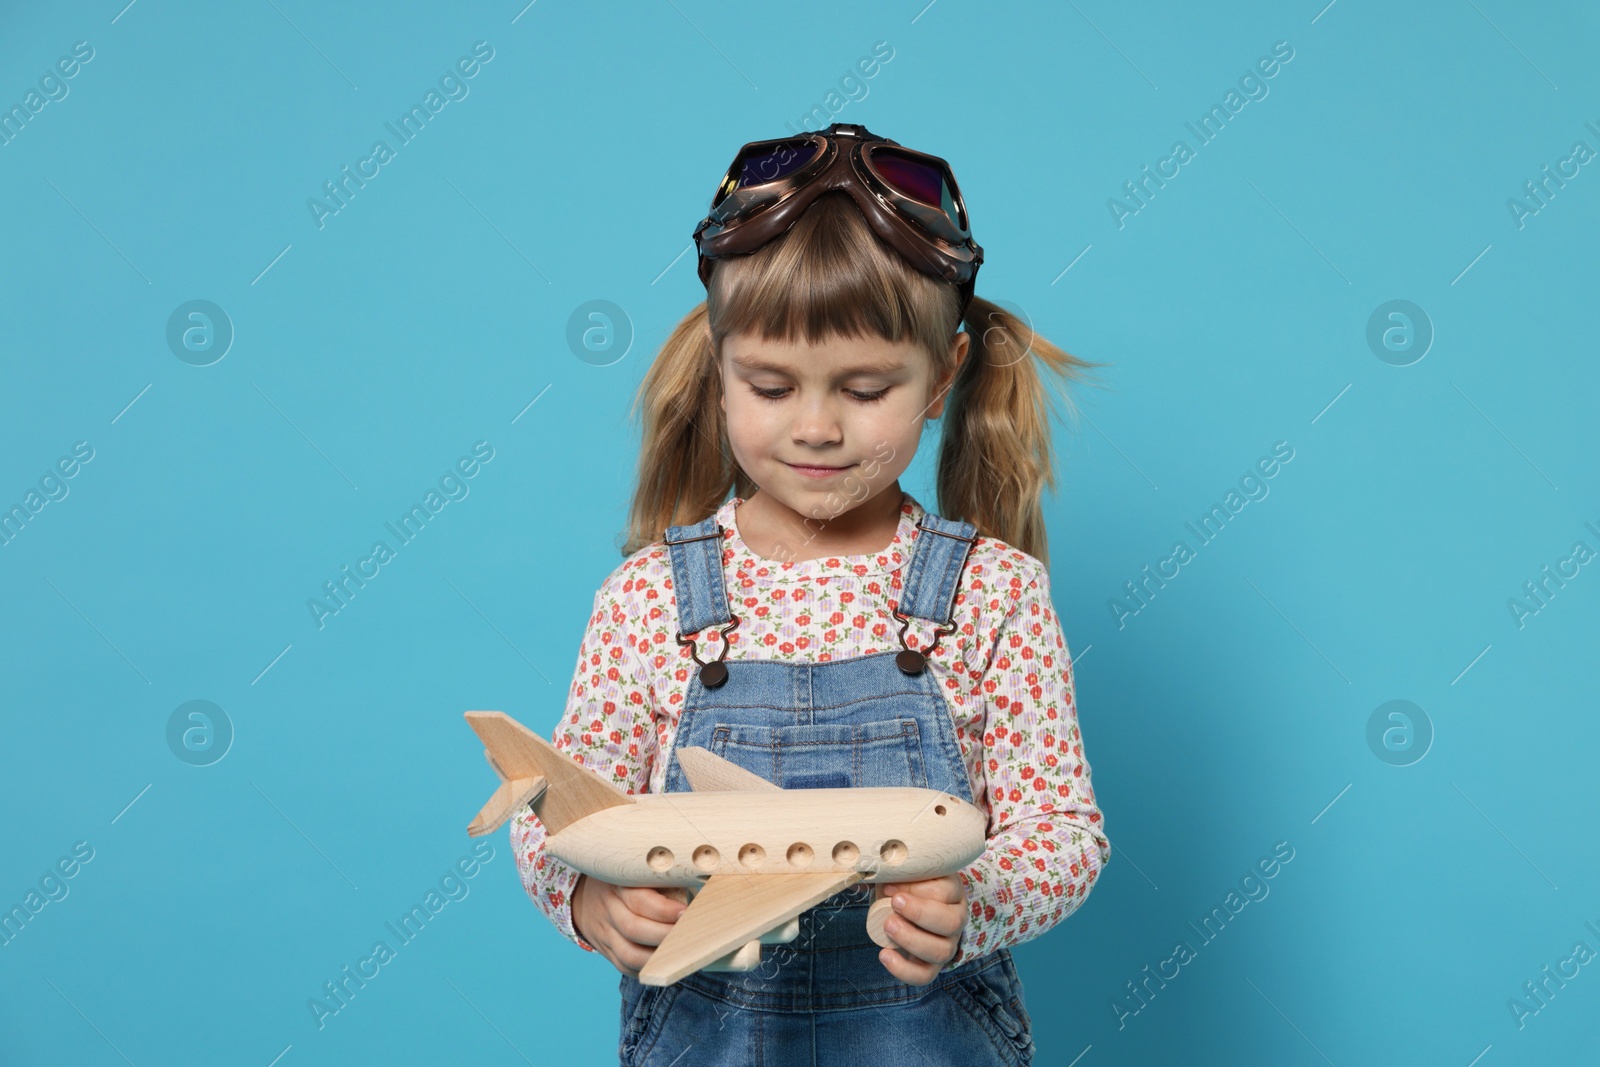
[822,629]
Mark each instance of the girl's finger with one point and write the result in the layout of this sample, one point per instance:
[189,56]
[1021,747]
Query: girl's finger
[946,890]
[910,971]
[651,903]
[627,955]
[605,943]
[637,928]
[930,948]
[943,919]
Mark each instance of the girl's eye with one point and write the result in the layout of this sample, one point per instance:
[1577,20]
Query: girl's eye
[779,393]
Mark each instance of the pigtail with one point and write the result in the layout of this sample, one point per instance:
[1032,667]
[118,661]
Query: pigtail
[995,455]
[685,466]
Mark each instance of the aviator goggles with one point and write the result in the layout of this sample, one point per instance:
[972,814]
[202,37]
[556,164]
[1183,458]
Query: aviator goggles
[909,198]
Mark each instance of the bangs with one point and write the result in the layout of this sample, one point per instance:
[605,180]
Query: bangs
[830,276]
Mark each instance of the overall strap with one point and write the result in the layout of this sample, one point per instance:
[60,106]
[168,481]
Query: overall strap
[697,581]
[928,590]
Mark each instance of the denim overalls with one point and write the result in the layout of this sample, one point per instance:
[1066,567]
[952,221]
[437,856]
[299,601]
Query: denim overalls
[825,998]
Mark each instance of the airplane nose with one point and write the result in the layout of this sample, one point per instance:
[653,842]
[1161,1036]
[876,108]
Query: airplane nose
[964,820]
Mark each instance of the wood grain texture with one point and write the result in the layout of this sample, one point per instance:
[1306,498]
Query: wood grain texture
[708,772]
[732,909]
[888,833]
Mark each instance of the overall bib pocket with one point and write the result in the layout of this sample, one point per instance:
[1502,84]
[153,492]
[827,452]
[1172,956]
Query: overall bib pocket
[851,755]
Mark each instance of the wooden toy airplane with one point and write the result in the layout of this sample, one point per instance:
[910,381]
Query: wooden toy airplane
[758,855]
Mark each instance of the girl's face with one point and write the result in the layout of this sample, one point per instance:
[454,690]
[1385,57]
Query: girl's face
[823,428]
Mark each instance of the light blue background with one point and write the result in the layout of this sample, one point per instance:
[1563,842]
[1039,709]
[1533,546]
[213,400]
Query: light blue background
[1228,715]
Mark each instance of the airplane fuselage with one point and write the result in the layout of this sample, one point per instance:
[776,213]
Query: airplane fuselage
[684,838]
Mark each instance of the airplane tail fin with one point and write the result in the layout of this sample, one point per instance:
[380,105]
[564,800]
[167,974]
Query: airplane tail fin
[561,790]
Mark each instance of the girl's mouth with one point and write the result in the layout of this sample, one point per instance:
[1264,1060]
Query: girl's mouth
[816,472]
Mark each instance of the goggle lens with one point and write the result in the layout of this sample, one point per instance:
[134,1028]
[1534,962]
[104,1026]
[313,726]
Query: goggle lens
[918,180]
[768,163]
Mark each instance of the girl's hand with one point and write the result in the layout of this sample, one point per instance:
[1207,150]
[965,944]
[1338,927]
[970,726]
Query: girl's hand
[624,924]
[927,922]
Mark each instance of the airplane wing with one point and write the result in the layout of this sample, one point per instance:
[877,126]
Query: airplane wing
[708,772]
[732,909]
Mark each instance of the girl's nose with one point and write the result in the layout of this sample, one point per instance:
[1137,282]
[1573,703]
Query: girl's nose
[816,424]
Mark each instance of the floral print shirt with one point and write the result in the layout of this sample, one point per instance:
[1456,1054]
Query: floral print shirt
[1006,674]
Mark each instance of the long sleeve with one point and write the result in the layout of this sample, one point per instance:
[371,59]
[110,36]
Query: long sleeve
[607,727]
[1047,844]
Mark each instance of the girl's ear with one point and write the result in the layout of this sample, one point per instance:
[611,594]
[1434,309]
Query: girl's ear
[941,389]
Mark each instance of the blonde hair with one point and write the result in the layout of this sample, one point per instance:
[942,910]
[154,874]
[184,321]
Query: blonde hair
[828,276]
